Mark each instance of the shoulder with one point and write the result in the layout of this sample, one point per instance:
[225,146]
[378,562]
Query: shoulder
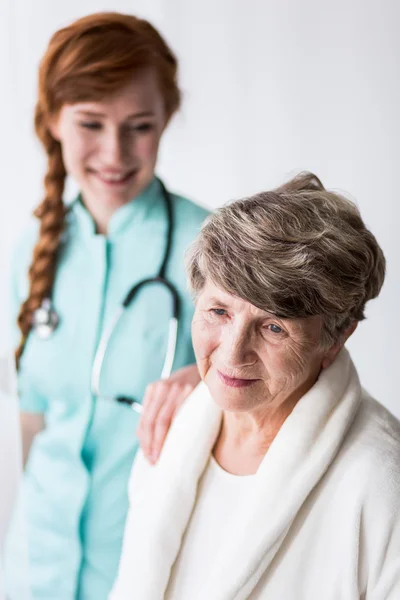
[22,256]
[188,212]
[377,431]
[373,488]
[188,219]
[141,470]
[371,453]
[194,429]
[27,237]
[192,434]
[22,253]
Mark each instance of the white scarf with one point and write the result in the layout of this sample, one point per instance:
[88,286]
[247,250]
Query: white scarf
[301,453]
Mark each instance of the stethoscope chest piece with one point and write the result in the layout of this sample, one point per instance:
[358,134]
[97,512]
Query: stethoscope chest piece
[45,320]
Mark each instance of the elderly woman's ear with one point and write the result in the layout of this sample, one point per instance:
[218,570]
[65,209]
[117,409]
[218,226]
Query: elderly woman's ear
[338,345]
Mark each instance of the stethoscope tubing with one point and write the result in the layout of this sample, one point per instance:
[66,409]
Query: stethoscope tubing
[102,351]
[173,322]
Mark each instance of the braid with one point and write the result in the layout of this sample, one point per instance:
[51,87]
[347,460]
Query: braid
[51,213]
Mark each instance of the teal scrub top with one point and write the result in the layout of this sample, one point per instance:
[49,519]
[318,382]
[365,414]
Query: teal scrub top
[78,468]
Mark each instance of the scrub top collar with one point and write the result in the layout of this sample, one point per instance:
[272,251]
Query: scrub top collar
[137,210]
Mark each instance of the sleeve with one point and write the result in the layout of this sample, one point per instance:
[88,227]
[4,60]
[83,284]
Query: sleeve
[121,587]
[387,584]
[381,524]
[29,400]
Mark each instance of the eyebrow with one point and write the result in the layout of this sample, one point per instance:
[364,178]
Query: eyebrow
[266,315]
[215,300]
[91,113]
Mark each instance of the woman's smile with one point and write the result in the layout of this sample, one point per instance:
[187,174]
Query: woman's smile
[114,179]
[235,381]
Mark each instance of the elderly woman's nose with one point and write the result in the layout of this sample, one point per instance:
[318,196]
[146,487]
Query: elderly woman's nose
[237,347]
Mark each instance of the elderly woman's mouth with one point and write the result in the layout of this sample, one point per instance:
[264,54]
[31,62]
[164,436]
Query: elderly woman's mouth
[235,381]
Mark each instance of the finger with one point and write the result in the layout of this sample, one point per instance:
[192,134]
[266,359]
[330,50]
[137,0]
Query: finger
[157,395]
[148,395]
[187,390]
[166,415]
[150,392]
[164,419]
[177,395]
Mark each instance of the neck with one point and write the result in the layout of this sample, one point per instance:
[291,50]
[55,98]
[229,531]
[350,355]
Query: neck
[245,437]
[100,214]
[101,210]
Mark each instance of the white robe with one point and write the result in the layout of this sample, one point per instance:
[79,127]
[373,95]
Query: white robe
[323,525]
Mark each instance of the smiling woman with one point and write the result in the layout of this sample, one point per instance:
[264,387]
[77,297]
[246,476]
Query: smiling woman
[283,474]
[107,90]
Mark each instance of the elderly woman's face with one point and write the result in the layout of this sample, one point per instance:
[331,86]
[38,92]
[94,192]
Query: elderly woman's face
[248,357]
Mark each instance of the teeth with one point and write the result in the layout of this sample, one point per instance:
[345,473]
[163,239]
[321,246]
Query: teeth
[113,177]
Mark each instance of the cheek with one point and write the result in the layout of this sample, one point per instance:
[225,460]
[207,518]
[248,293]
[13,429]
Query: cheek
[75,150]
[293,366]
[147,147]
[283,362]
[205,339]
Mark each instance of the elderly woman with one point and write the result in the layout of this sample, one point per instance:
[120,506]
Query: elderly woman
[280,476]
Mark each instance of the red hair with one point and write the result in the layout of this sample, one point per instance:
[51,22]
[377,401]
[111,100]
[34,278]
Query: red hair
[90,59]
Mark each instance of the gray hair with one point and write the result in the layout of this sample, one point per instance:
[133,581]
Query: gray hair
[297,251]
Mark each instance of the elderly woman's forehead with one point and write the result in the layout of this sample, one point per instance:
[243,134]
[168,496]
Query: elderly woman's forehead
[214,294]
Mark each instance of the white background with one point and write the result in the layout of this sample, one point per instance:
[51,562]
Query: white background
[270,87]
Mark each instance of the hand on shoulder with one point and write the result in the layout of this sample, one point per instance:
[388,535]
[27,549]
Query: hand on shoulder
[162,401]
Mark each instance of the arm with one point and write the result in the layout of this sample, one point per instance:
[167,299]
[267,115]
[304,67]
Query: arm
[380,533]
[162,401]
[31,424]
[31,405]
[384,580]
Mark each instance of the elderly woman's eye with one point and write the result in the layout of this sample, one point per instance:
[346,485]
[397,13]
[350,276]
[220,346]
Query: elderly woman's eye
[218,311]
[275,328]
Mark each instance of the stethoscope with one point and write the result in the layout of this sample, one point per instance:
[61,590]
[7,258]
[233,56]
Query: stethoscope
[45,318]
